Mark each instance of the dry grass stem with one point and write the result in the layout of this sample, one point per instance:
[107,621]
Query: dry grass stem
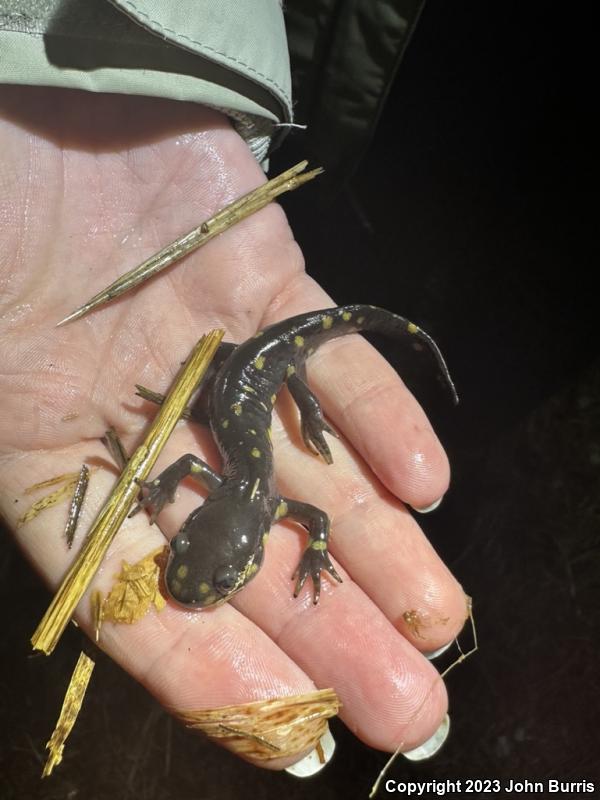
[119,503]
[234,212]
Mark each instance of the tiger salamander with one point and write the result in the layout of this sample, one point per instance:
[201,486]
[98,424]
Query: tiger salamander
[220,546]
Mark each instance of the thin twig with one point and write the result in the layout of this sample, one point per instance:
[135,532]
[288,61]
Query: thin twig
[228,216]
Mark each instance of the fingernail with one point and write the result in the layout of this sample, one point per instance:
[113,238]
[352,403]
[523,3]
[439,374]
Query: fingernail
[435,653]
[316,759]
[427,509]
[432,745]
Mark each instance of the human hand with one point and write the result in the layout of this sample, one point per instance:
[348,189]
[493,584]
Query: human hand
[92,185]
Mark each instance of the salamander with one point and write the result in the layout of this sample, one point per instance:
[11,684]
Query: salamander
[220,546]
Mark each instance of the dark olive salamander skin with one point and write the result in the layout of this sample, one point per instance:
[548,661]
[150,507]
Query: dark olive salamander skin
[220,546]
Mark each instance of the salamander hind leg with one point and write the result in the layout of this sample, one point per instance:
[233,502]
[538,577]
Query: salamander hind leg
[312,422]
[162,489]
[315,558]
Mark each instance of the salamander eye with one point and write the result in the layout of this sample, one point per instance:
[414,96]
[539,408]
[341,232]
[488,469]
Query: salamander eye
[179,544]
[225,579]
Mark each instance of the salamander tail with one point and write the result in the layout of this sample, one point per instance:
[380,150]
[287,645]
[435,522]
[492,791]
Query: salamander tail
[379,320]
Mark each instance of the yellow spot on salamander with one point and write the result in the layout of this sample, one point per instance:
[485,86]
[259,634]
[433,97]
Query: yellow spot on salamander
[203,587]
[255,489]
[412,328]
[269,434]
[237,409]
[176,586]
[259,362]
[265,538]
[256,335]
[249,389]
[282,510]
[252,569]
[346,316]
[255,452]
[360,320]
[299,341]
[209,600]
[318,545]
[252,431]
[182,571]
[327,322]
[195,469]
[290,370]
[225,423]
[273,398]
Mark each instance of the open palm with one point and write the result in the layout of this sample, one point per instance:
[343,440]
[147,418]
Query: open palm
[90,186]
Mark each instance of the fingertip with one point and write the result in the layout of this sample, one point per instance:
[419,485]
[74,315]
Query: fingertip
[432,628]
[415,467]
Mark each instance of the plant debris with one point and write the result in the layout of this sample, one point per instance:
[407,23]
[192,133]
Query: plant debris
[268,729]
[69,712]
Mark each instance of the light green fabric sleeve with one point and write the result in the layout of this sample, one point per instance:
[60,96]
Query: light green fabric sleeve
[228,54]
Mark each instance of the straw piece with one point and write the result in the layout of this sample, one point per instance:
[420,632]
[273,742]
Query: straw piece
[69,711]
[122,498]
[268,729]
[228,216]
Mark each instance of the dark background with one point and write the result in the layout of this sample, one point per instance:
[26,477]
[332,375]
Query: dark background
[467,214]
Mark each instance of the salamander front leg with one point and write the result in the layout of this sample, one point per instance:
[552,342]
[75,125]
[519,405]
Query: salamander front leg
[316,556]
[311,417]
[162,489]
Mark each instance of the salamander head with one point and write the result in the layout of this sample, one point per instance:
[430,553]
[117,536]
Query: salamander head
[215,554]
